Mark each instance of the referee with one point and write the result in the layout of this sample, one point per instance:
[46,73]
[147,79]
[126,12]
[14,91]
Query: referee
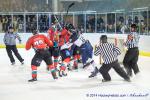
[131,56]
[109,53]
[10,42]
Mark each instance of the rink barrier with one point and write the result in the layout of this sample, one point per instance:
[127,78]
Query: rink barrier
[141,53]
[18,46]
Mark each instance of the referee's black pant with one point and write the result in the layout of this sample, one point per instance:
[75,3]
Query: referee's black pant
[116,66]
[130,60]
[13,48]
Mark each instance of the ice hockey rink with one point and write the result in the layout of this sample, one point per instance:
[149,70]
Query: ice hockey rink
[14,83]
[93,18]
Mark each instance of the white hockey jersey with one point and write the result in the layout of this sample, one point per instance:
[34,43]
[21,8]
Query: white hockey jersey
[66,46]
[81,40]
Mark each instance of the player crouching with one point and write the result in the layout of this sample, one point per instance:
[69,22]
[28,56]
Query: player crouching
[40,44]
[65,54]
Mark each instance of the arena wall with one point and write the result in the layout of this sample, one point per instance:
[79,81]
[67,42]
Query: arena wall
[144,44]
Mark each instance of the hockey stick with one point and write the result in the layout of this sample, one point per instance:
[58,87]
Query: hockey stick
[66,14]
[70,7]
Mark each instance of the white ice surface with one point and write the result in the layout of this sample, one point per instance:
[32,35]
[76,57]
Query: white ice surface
[76,86]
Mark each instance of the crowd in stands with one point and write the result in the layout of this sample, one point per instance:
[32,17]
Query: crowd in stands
[93,25]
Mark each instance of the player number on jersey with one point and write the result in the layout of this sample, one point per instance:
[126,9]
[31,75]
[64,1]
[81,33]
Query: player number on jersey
[38,42]
[82,39]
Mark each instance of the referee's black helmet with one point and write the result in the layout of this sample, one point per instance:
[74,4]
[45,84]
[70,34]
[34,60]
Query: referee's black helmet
[133,26]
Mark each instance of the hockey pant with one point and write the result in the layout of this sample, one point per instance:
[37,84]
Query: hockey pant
[86,52]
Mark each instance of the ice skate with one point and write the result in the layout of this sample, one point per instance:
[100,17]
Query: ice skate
[94,73]
[62,73]
[87,64]
[32,80]
[54,75]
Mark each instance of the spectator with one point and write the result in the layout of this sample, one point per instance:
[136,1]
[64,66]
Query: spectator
[15,24]
[0,25]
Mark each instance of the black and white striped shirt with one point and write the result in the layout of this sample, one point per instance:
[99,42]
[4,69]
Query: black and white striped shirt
[131,43]
[108,51]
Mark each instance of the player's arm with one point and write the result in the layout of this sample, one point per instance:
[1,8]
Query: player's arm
[66,45]
[48,42]
[64,32]
[28,44]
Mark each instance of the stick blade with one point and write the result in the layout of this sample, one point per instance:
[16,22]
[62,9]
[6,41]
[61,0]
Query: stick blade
[71,5]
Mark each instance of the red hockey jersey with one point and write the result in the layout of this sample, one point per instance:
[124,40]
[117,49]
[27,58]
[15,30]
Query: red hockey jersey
[53,36]
[38,41]
[64,37]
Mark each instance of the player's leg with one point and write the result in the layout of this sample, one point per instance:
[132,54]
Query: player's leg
[89,55]
[89,50]
[36,61]
[48,60]
[75,57]
[51,50]
[79,58]
[56,56]
[84,57]
[9,52]
[65,54]
[91,61]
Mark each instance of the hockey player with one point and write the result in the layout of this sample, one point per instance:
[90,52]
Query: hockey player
[131,56]
[85,47]
[75,53]
[75,50]
[65,54]
[53,35]
[40,44]
[64,51]
[109,54]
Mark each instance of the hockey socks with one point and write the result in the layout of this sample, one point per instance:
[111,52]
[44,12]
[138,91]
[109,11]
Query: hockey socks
[53,71]
[75,65]
[34,74]
[63,66]
[55,62]
[62,70]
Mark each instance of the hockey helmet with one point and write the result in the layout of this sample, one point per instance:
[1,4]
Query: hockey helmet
[103,38]
[69,26]
[34,31]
